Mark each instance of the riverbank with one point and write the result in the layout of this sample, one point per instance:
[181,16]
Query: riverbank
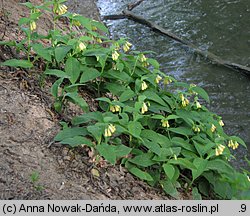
[31,166]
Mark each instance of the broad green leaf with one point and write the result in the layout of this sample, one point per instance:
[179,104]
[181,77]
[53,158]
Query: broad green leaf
[169,170]
[154,63]
[223,189]
[18,63]
[151,95]
[23,20]
[76,141]
[107,151]
[72,68]
[183,162]
[115,89]
[57,73]
[89,74]
[41,51]
[143,160]
[28,5]
[135,128]
[196,195]
[201,92]
[126,95]
[87,117]
[219,165]
[204,187]
[154,147]
[77,99]
[182,130]
[61,52]
[140,174]
[201,165]
[170,189]
[122,150]
[96,131]
[70,132]
[85,22]
[166,153]
[156,138]
[177,141]
[100,26]
[55,86]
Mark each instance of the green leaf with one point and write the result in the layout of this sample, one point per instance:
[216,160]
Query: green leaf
[41,51]
[78,100]
[182,130]
[169,170]
[170,189]
[76,141]
[154,63]
[84,21]
[61,52]
[126,95]
[18,63]
[151,95]
[201,166]
[114,88]
[87,117]
[201,92]
[72,68]
[89,74]
[55,86]
[219,165]
[204,187]
[196,195]
[122,150]
[139,173]
[107,151]
[177,141]
[28,4]
[183,162]
[143,160]
[166,153]
[57,73]
[96,131]
[70,132]
[156,138]
[154,147]
[135,128]
[100,26]
[23,21]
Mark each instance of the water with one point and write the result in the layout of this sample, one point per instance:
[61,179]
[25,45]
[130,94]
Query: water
[220,26]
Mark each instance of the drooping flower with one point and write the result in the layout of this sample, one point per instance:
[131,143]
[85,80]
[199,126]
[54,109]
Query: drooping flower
[115,108]
[219,150]
[60,9]
[126,46]
[109,130]
[233,144]
[32,25]
[76,22]
[158,79]
[167,80]
[197,104]
[184,101]
[144,108]
[221,123]
[115,55]
[165,123]
[144,85]
[213,128]
[196,128]
[98,40]
[81,46]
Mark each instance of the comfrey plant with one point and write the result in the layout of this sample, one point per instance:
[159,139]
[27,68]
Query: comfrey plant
[152,124]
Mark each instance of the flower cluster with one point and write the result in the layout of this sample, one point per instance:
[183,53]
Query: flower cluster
[115,108]
[115,55]
[197,104]
[144,107]
[184,101]
[213,128]
[144,85]
[143,60]
[233,144]
[158,79]
[60,9]
[126,46]
[80,47]
[167,80]
[76,22]
[219,150]
[196,128]
[221,123]
[32,25]
[165,123]
[110,130]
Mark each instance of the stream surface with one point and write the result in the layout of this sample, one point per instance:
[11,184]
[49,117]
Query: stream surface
[219,26]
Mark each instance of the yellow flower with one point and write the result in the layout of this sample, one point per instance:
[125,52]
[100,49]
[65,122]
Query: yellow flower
[248,178]
[81,46]
[142,58]
[76,22]
[61,9]
[221,123]
[144,86]
[184,101]
[233,144]
[165,123]
[115,108]
[115,55]
[213,128]
[167,80]
[110,130]
[94,28]
[126,46]
[144,108]
[98,40]
[32,25]
[197,104]
[158,79]
[196,129]
[219,150]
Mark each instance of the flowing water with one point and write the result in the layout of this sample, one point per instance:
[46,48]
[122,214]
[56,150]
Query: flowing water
[220,26]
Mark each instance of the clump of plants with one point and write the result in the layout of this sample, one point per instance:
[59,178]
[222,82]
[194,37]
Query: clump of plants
[149,122]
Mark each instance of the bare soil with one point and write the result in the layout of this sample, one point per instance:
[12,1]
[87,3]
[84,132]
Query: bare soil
[28,125]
